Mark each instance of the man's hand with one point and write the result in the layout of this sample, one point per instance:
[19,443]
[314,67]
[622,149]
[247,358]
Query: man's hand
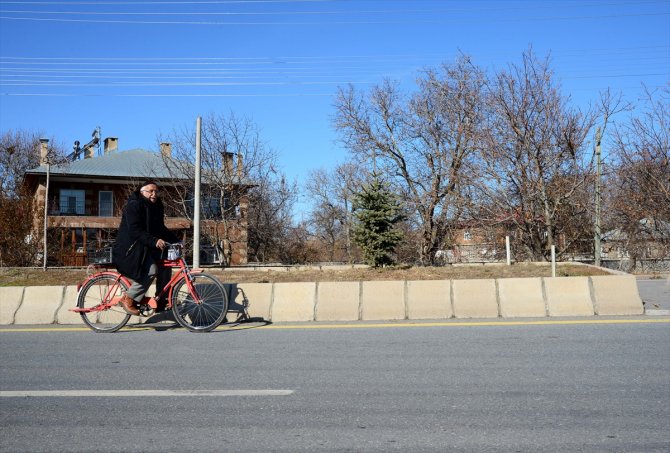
[161,244]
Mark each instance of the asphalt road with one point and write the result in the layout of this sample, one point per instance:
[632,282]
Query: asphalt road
[454,386]
[655,293]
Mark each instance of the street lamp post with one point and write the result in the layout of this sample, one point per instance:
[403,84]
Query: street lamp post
[597,225]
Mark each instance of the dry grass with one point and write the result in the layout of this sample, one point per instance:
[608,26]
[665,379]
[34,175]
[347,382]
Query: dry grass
[58,276]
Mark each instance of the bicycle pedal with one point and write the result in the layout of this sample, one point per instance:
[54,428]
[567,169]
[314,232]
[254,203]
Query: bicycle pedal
[146,310]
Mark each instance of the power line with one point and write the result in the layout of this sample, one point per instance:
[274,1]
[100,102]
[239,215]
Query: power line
[291,13]
[330,22]
[283,58]
[172,95]
[470,8]
[194,2]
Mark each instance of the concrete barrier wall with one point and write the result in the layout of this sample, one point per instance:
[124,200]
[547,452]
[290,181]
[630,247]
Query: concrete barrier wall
[617,296]
[293,302]
[375,300]
[475,298]
[521,297]
[429,299]
[568,296]
[338,301]
[40,305]
[10,301]
[382,300]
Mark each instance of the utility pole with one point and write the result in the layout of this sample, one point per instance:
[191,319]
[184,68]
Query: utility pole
[196,199]
[44,142]
[597,229]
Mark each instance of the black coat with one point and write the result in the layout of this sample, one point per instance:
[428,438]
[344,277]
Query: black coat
[142,225]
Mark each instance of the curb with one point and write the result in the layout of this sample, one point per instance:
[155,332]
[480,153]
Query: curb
[657,312]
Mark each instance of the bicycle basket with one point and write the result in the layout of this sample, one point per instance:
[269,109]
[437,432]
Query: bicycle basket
[173,253]
[100,256]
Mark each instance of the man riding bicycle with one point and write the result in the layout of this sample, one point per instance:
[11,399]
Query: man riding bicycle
[141,238]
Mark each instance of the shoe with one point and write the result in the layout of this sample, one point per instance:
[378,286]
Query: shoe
[128,305]
[160,305]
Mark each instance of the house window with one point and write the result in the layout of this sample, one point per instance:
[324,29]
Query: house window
[71,202]
[210,207]
[467,236]
[105,203]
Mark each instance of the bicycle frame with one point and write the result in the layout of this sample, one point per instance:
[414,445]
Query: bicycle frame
[184,273]
[107,302]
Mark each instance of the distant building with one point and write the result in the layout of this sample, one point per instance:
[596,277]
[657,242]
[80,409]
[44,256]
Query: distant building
[86,198]
[650,241]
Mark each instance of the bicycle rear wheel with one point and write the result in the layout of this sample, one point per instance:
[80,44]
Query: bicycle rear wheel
[204,310]
[98,291]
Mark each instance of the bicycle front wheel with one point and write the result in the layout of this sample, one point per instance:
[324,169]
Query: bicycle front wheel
[201,306]
[95,295]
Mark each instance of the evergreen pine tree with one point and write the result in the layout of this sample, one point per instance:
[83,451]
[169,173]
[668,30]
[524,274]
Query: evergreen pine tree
[376,210]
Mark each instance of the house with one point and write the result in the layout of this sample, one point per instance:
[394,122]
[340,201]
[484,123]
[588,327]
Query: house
[86,198]
[650,241]
[470,242]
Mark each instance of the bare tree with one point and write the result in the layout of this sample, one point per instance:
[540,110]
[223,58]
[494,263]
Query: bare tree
[331,218]
[271,218]
[298,246]
[422,144]
[20,241]
[236,165]
[535,162]
[639,188]
[642,150]
[19,151]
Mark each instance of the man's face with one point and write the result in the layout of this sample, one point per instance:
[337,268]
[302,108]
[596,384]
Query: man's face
[150,192]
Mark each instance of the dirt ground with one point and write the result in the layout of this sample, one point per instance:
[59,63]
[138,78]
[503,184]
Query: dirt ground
[60,276]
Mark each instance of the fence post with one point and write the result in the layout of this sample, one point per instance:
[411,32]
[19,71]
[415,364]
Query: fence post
[507,248]
[553,261]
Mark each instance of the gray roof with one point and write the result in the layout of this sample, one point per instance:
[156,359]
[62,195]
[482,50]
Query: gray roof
[130,164]
[134,163]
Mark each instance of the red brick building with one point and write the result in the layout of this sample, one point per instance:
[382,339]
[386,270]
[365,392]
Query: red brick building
[86,198]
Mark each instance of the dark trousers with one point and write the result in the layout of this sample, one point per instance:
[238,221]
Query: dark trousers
[150,270]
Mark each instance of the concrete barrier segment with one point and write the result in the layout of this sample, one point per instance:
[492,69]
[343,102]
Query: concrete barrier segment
[259,297]
[616,295]
[236,301]
[40,304]
[429,299]
[293,302]
[475,298]
[64,315]
[568,296]
[337,301]
[521,297]
[10,301]
[382,300]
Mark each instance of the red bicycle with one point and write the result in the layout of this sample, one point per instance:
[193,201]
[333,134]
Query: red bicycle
[198,301]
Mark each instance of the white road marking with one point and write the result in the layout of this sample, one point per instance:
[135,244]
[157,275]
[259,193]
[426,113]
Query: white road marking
[134,393]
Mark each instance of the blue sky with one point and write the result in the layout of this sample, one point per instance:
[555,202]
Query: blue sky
[139,69]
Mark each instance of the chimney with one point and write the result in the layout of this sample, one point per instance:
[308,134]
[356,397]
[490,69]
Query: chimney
[166,149]
[239,166]
[228,163]
[44,150]
[111,144]
[88,151]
